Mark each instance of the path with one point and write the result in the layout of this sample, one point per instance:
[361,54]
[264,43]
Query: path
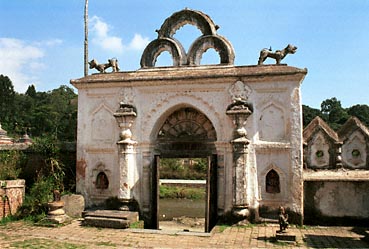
[22,235]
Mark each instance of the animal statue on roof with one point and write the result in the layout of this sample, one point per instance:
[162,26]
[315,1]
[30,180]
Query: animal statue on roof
[278,55]
[113,63]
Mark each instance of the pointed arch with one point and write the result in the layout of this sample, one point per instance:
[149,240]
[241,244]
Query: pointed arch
[272,182]
[272,123]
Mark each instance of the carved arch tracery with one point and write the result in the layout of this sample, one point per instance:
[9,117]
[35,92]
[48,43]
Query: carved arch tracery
[202,21]
[166,42]
[203,43]
[187,124]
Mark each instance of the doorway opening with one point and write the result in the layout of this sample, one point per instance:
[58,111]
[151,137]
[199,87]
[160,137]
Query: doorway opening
[182,194]
[185,151]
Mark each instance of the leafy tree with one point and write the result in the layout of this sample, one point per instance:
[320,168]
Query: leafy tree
[361,112]
[31,91]
[308,114]
[333,113]
[7,94]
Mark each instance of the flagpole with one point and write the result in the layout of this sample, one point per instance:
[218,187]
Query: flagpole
[86,40]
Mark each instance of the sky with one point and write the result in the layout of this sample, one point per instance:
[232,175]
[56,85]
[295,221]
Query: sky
[41,42]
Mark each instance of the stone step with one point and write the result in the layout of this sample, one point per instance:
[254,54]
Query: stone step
[285,236]
[109,218]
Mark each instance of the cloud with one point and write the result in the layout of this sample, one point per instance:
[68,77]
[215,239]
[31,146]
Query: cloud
[101,37]
[20,62]
[138,42]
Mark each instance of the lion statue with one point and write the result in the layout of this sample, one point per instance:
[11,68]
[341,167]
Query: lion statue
[278,55]
[113,63]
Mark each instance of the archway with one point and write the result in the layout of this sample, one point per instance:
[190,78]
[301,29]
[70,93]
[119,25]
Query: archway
[186,138]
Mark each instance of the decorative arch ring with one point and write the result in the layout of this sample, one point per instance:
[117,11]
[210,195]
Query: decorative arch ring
[202,21]
[203,43]
[157,46]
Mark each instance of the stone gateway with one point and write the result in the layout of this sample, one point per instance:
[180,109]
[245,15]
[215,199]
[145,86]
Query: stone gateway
[245,119]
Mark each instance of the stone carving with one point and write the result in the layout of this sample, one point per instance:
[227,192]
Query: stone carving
[319,151]
[125,116]
[166,42]
[113,63]
[282,220]
[354,153]
[278,55]
[239,91]
[56,213]
[127,95]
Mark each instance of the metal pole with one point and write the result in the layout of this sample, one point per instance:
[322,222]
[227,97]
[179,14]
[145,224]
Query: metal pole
[86,40]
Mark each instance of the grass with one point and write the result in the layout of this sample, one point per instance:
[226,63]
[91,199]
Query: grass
[137,224]
[6,220]
[221,228]
[45,243]
[109,243]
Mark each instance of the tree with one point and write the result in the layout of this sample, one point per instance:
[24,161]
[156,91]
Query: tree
[333,113]
[31,91]
[308,114]
[7,94]
[361,112]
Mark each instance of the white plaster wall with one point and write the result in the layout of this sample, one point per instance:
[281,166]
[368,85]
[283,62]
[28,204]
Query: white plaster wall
[276,107]
[340,199]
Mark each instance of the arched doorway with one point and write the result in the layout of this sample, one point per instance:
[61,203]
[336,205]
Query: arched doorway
[187,133]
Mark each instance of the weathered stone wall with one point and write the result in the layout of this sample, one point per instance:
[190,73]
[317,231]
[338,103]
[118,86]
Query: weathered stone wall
[12,193]
[248,116]
[336,173]
[335,202]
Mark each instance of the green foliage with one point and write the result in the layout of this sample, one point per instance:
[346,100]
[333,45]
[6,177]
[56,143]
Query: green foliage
[47,148]
[10,164]
[35,243]
[34,206]
[38,113]
[181,192]
[179,168]
[361,112]
[138,224]
[333,113]
[309,114]
[6,220]
[7,94]
[49,177]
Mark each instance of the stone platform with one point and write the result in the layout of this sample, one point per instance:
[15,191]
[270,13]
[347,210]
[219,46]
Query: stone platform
[285,236]
[109,218]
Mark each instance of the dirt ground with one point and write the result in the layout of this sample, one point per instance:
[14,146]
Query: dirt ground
[184,224]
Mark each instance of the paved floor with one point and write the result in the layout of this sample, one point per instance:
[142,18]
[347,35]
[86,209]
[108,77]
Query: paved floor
[22,235]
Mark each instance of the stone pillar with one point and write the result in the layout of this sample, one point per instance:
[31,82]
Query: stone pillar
[125,116]
[240,111]
[338,154]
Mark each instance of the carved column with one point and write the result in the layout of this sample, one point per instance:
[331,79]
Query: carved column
[125,116]
[338,153]
[240,111]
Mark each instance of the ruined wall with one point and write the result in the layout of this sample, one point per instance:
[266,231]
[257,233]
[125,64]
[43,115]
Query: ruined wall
[251,116]
[335,202]
[12,193]
[336,174]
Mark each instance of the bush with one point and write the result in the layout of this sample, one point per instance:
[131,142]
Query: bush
[10,164]
[35,203]
[181,192]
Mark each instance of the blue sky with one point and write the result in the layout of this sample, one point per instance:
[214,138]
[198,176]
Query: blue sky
[41,42]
